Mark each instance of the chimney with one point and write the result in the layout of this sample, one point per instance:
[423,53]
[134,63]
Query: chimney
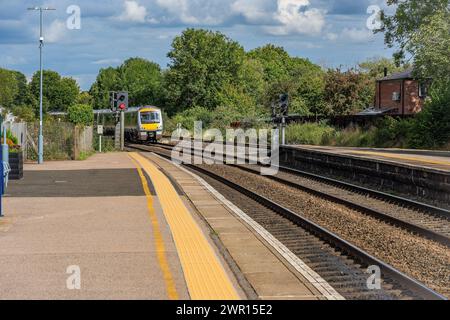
[385,72]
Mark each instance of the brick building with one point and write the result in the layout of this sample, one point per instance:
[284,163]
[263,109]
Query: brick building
[400,94]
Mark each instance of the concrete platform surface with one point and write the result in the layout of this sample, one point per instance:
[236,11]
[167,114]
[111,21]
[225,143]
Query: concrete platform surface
[90,217]
[118,226]
[265,274]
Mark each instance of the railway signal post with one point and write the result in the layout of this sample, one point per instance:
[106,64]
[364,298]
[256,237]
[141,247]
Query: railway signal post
[280,111]
[284,106]
[119,104]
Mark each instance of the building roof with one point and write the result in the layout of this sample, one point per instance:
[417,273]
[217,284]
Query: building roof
[408,74]
[374,112]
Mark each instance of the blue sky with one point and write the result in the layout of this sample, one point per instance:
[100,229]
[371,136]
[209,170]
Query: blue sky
[328,32]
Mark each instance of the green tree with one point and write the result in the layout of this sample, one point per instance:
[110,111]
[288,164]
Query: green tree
[58,93]
[25,112]
[81,114]
[410,15]
[374,67]
[235,104]
[431,44]
[67,94]
[275,61]
[23,93]
[432,126]
[8,88]
[347,92]
[309,83]
[301,79]
[202,62]
[251,80]
[107,80]
[142,79]
[85,98]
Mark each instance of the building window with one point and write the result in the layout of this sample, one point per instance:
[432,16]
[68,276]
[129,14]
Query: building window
[396,96]
[423,90]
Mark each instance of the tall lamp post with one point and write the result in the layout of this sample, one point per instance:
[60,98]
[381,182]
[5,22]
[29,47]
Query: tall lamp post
[41,44]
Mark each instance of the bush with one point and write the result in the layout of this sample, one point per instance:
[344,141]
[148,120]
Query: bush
[25,113]
[81,114]
[355,137]
[188,117]
[432,127]
[309,133]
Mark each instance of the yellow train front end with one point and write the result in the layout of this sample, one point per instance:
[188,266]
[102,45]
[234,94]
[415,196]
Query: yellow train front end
[150,124]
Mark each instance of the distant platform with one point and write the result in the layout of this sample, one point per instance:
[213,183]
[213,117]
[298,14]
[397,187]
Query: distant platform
[431,159]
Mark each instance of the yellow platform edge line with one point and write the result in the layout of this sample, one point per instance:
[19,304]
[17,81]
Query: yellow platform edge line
[402,157]
[205,275]
[158,238]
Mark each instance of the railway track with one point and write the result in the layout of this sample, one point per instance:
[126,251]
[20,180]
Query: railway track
[338,261]
[419,218]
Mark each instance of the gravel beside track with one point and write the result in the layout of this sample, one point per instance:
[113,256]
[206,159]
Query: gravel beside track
[341,272]
[429,221]
[424,260]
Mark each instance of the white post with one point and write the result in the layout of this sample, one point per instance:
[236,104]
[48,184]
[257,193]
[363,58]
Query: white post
[283,131]
[122,131]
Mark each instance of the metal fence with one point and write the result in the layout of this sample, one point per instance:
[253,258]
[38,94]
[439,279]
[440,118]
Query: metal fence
[62,141]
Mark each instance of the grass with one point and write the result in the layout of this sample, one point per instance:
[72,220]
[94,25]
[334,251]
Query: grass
[387,134]
[84,155]
[308,133]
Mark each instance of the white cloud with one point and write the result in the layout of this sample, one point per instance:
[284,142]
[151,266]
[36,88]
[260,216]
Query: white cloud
[12,60]
[254,11]
[332,36]
[107,61]
[195,12]
[295,17]
[133,12]
[55,32]
[357,35]
[178,8]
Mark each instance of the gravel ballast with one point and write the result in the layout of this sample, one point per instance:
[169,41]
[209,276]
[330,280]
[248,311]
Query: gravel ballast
[423,259]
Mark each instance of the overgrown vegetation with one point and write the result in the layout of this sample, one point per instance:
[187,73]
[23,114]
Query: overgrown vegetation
[430,130]
[81,114]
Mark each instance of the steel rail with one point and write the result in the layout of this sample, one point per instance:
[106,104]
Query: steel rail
[441,212]
[360,208]
[334,240]
[401,223]
[331,238]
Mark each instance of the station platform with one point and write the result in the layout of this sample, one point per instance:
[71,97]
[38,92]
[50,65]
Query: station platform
[437,160]
[134,226]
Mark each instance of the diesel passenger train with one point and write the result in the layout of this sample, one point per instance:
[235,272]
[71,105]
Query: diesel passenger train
[141,124]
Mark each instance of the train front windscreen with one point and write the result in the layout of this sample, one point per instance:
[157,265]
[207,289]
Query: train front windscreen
[150,117]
